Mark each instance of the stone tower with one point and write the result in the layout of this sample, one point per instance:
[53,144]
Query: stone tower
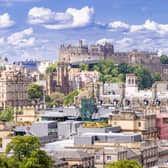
[131,87]
[62,78]
[50,83]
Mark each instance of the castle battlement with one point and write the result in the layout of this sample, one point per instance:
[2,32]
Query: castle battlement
[93,53]
[83,52]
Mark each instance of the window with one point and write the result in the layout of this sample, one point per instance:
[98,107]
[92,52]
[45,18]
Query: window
[109,157]
[115,123]
[139,124]
[165,120]
[97,157]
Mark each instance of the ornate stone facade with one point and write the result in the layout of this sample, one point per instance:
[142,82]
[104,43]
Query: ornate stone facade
[13,88]
[58,81]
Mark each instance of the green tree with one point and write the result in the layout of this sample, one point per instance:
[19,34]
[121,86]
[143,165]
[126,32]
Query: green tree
[145,79]
[69,99]
[3,162]
[22,146]
[164,59]
[83,67]
[55,99]
[12,162]
[107,70]
[124,68]
[7,114]
[124,164]
[35,91]
[37,159]
[157,77]
[51,68]
[26,153]
[117,73]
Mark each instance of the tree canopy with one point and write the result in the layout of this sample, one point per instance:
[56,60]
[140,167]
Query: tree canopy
[37,159]
[7,114]
[69,99]
[108,71]
[51,68]
[22,146]
[164,59]
[26,153]
[35,91]
[83,67]
[116,73]
[124,164]
[145,79]
[157,76]
[55,99]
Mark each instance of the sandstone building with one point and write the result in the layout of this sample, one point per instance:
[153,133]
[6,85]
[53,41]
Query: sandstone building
[58,81]
[128,94]
[13,88]
[84,53]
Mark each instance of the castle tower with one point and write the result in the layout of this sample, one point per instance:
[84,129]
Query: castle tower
[131,87]
[108,50]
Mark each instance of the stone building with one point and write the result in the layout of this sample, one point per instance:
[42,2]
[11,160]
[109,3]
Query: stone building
[143,122]
[76,158]
[84,53]
[50,82]
[128,146]
[128,94]
[58,81]
[93,53]
[13,88]
[79,79]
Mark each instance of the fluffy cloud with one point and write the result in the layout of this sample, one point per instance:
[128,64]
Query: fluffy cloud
[5,21]
[150,26]
[71,18]
[22,38]
[2,41]
[118,25]
[147,26]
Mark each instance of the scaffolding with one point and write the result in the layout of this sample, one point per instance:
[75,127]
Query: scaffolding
[88,107]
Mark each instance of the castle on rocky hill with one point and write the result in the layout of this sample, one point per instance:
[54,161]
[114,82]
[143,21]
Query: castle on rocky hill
[93,53]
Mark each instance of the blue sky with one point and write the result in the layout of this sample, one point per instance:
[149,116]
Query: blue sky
[34,29]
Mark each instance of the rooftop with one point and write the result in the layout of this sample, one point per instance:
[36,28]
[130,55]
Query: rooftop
[72,154]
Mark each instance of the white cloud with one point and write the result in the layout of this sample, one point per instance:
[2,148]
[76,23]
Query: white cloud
[150,36]
[104,40]
[162,51]
[5,21]
[22,38]
[125,44]
[150,25]
[118,25]
[71,18]
[2,41]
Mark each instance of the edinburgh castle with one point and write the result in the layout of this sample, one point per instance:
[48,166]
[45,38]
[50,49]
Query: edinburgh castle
[93,53]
